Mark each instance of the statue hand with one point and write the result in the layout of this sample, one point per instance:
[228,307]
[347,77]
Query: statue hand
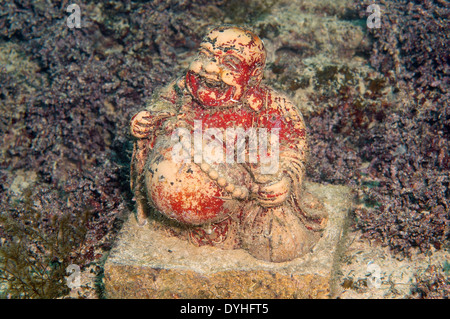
[143,122]
[274,193]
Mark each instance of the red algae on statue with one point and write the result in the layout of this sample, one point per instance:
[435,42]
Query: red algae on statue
[223,155]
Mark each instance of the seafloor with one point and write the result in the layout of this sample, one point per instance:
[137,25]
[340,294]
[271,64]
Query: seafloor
[375,100]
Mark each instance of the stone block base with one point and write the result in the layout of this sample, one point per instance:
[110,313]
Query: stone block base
[146,263]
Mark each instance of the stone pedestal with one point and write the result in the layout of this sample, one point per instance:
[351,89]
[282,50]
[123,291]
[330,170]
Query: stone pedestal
[146,263]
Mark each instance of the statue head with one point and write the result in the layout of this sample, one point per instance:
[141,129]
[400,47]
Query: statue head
[229,62]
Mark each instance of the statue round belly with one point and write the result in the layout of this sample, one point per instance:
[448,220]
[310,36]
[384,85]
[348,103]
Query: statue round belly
[183,192]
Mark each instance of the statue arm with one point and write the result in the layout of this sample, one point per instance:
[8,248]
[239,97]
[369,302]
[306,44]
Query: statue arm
[274,189]
[161,107]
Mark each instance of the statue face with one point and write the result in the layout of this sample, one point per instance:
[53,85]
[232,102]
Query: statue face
[230,61]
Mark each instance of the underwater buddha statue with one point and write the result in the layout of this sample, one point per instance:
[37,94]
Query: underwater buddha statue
[220,157]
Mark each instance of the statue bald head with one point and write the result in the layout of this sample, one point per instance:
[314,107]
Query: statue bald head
[244,42]
[230,60]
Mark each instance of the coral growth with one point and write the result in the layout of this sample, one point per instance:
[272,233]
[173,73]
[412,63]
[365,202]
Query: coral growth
[413,42]
[409,158]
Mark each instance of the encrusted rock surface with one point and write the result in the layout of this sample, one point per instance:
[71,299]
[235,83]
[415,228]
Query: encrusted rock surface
[146,263]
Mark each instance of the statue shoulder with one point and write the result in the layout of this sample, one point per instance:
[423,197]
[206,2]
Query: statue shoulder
[169,98]
[284,104]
